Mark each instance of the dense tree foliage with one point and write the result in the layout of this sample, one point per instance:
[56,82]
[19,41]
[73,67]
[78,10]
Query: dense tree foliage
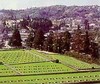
[39,38]
[66,41]
[24,23]
[77,41]
[86,23]
[42,23]
[36,23]
[94,50]
[49,42]
[29,40]
[57,43]
[86,43]
[15,39]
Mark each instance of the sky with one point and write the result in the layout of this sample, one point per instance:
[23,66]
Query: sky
[23,4]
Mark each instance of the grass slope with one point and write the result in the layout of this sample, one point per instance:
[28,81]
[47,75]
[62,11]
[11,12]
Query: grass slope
[36,67]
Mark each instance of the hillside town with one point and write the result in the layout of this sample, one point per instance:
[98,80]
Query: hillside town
[60,36]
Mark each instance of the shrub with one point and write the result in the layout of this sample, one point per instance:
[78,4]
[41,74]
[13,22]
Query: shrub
[1,63]
[56,61]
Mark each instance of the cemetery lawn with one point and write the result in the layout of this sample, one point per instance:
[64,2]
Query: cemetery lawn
[40,67]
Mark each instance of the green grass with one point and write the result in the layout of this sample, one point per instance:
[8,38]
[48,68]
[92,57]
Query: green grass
[6,71]
[42,68]
[15,57]
[52,79]
[67,60]
[34,67]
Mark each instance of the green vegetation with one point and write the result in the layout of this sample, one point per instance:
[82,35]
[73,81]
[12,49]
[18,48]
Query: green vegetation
[52,79]
[6,71]
[37,67]
[15,40]
[34,68]
[67,60]
[15,57]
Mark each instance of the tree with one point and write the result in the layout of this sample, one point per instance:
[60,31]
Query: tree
[94,50]
[39,38]
[41,23]
[86,23]
[77,40]
[66,41]
[15,39]
[86,43]
[24,23]
[28,18]
[4,23]
[29,40]
[49,42]
[57,43]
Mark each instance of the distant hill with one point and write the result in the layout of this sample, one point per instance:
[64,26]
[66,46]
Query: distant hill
[54,12]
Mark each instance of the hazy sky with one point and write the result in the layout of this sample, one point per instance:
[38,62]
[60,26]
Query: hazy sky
[20,4]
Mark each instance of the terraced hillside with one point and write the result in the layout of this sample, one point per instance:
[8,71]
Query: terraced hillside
[37,67]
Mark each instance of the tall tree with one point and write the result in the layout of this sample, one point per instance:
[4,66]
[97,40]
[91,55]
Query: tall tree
[28,18]
[39,38]
[86,43]
[15,39]
[57,43]
[24,23]
[77,40]
[29,40]
[86,23]
[66,41]
[49,42]
[94,50]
